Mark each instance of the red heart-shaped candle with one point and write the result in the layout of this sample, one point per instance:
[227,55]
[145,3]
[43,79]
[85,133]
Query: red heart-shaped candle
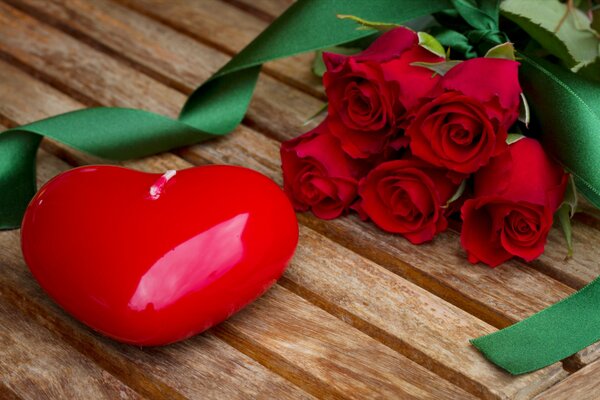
[151,259]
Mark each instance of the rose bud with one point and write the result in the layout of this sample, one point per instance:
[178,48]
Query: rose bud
[511,214]
[370,92]
[466,122]
[318,175]
[406,197]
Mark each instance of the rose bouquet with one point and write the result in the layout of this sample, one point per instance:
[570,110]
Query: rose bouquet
[412,138]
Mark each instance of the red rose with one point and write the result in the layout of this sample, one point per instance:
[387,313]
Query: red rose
[318,175]
[465,123]
[516,196]
[370,92]
[407,197]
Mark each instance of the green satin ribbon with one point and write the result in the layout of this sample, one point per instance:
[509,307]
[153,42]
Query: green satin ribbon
[554,333]
[568,106]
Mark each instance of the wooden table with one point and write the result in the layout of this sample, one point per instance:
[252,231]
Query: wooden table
[358,314]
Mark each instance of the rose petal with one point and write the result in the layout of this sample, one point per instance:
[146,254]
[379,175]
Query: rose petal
[477,235]
[486,78]
[389,45]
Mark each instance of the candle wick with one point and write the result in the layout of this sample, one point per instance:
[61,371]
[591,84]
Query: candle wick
[159,186]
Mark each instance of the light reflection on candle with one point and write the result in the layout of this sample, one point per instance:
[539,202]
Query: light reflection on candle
[191,265]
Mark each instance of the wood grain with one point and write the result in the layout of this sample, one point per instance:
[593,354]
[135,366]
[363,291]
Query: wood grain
[323,346]
[578,270]
[403,316]
[231,30]
[36,364]
[80,68]
[269,9]
[582,385]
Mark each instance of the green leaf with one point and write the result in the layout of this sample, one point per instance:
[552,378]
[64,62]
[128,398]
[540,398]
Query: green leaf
[564,32]
[565,222]
[491,8]
[504,50]
[567,110]
[320,112]
[513,138]
[567,210]
[439,68]
[455,40]
[524,112]
[571,198]
[591,70]
[484,18]
[318,66]
[595,24]
[364,24]
[459,192]
[431,44]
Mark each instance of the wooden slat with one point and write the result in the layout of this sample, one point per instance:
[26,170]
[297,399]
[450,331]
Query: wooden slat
[269,8]
[582,385]
[59,56]
[267,325]
[36,364]
[578,270]
[409,377]
[231,29]
[403,316]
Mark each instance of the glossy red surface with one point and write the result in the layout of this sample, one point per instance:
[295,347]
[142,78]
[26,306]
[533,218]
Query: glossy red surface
[149,259]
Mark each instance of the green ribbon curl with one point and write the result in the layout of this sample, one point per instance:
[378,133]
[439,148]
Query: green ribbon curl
[567,107]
